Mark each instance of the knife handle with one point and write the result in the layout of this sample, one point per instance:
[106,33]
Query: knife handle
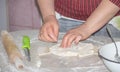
[26,42]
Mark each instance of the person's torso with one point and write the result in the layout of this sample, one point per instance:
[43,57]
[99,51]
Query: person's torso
[77,9]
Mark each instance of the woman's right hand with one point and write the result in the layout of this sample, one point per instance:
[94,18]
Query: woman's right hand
[49,30]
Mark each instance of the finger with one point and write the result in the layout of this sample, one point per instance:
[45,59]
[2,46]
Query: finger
[42,38]
[77,39]
[52,35]
[47,34]
[70,40]
[43,35]
[39,36]
[56,31]
[64,40]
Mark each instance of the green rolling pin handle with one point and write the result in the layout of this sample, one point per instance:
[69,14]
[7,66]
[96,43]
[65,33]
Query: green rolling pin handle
[26,42]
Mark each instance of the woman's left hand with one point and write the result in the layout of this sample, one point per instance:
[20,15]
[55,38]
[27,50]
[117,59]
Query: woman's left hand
[75,35]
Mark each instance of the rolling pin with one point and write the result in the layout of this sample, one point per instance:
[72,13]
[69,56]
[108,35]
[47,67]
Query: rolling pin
[12,50]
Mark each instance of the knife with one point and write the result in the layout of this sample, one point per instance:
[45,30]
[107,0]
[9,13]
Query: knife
[26,47]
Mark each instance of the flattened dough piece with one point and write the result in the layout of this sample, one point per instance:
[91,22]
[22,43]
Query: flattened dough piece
[81,50]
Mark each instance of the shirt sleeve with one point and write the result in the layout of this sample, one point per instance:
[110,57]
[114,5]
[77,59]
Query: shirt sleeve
[116,2]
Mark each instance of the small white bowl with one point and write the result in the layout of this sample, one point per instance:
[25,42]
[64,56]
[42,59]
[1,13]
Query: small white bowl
[107,53]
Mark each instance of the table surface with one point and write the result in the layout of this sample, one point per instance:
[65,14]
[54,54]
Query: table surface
[50,62]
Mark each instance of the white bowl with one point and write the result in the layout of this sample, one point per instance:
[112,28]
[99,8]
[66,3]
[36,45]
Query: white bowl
[107,53]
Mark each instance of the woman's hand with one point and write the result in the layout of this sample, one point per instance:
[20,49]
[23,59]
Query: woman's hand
[49,30]
[75,35]
[100,16]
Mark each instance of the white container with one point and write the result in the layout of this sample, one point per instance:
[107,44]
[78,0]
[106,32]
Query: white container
[107,53]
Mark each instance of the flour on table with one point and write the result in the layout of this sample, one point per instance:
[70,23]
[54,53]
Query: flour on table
[81,50]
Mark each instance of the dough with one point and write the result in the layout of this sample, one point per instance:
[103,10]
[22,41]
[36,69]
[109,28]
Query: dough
[81,50]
